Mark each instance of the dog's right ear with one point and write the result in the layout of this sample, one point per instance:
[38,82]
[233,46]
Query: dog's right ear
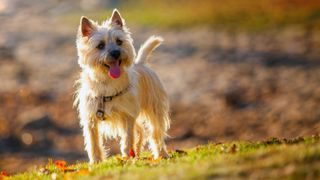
[86,26]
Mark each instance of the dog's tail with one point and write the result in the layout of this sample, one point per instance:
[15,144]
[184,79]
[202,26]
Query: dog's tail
[147,48]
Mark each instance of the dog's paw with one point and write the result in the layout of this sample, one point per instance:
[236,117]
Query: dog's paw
[95,161]
[164,155]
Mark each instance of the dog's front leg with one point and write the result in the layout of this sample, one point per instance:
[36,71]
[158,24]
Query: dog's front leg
[127,137]
[93,142]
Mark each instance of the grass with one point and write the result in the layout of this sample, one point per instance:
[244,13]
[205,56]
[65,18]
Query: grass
[274,158]
[244,15]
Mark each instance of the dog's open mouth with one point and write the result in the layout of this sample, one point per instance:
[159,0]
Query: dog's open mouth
[108,66]
[114,70]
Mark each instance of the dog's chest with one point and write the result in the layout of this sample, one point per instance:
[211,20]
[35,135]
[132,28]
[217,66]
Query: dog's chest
[105,108]
[124,104]
[92,93]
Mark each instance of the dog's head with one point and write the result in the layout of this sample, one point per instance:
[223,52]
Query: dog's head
[105,48]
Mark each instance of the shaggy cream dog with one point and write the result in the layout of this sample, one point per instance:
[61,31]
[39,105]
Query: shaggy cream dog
[118,95]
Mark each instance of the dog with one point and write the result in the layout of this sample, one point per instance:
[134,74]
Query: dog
[118,95]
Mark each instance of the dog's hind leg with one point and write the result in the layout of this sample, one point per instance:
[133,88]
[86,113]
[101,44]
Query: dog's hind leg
[157,145]
[156,140]
[138,139]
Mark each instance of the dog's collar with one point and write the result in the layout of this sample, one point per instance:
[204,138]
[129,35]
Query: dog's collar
[119,93]
[103,99]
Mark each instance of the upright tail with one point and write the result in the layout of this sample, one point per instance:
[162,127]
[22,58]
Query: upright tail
[147,48]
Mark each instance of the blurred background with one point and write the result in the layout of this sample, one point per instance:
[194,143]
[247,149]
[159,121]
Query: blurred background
[234,70]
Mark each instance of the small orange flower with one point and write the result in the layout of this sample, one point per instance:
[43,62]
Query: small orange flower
[151,159]
[61,164]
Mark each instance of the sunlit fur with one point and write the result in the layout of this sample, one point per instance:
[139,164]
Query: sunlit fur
[137,116]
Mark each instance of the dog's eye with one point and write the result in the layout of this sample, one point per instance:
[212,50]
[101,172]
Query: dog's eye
[119,42]
[101,45]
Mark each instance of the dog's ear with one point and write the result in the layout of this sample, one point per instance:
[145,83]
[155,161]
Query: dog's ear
[116,18]
[86,27]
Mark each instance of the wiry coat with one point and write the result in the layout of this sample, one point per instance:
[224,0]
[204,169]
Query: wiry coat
[137,115]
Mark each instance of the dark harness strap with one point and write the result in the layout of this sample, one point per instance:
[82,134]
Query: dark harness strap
[103,99]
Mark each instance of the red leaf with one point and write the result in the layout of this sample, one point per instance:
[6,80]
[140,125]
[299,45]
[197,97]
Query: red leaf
[131,153]
[61,164]
[4,173]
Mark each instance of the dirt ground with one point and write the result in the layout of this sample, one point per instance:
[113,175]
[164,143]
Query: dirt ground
[222,85]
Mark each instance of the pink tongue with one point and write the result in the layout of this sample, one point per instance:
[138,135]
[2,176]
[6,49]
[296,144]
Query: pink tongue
[114,71]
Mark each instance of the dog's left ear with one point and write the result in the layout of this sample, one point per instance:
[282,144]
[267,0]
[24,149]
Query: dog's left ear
[116,18]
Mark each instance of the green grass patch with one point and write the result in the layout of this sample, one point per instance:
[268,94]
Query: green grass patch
[274,158]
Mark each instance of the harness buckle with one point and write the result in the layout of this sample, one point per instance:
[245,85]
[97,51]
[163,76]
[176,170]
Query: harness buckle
[100,114]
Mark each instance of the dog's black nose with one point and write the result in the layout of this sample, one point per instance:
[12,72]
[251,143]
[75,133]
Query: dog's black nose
[115,54]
